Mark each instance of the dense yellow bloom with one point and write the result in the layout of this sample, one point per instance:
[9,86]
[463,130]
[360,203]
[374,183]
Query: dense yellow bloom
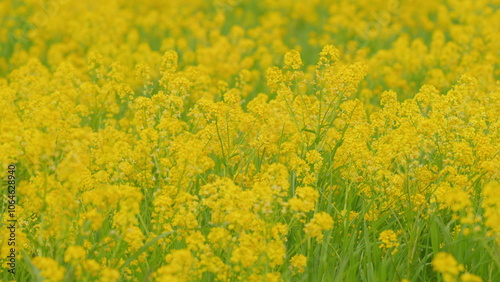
[293,60]
[446,264]
[305,199]
[328,55]
[226,136]
[389,240]
[491,204]
[469,277]
[248,250]
[178,267]
[298,263]
[74,253]
[320,222]
[457,199]
[109,274]
[50,269]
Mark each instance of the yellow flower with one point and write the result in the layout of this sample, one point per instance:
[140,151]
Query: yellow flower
[469,277]
[293,60]
[49,268]
[178,268]
[305,199]
[109,274]
[389,240]
[298,263]
[491,205]
[457,199]
[446,264]
[328,55]
[321,222]
[74,253]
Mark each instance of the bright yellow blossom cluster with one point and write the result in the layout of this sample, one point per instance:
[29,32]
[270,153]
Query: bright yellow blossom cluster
[446,264]
[389,240]
[298,263]
[238,140]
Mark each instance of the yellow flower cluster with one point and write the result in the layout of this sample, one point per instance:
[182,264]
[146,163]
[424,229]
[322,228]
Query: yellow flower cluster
[491,205]
[446,264]
[50,270]
[389,240]
[239,140]
[298,262]
[320,222]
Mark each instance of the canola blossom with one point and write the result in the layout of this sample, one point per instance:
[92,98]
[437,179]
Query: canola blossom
[238,140]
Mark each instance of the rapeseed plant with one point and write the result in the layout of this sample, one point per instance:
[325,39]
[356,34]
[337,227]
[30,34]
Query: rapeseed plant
[238,140]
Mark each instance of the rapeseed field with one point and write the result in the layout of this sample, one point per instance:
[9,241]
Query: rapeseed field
[239,140]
